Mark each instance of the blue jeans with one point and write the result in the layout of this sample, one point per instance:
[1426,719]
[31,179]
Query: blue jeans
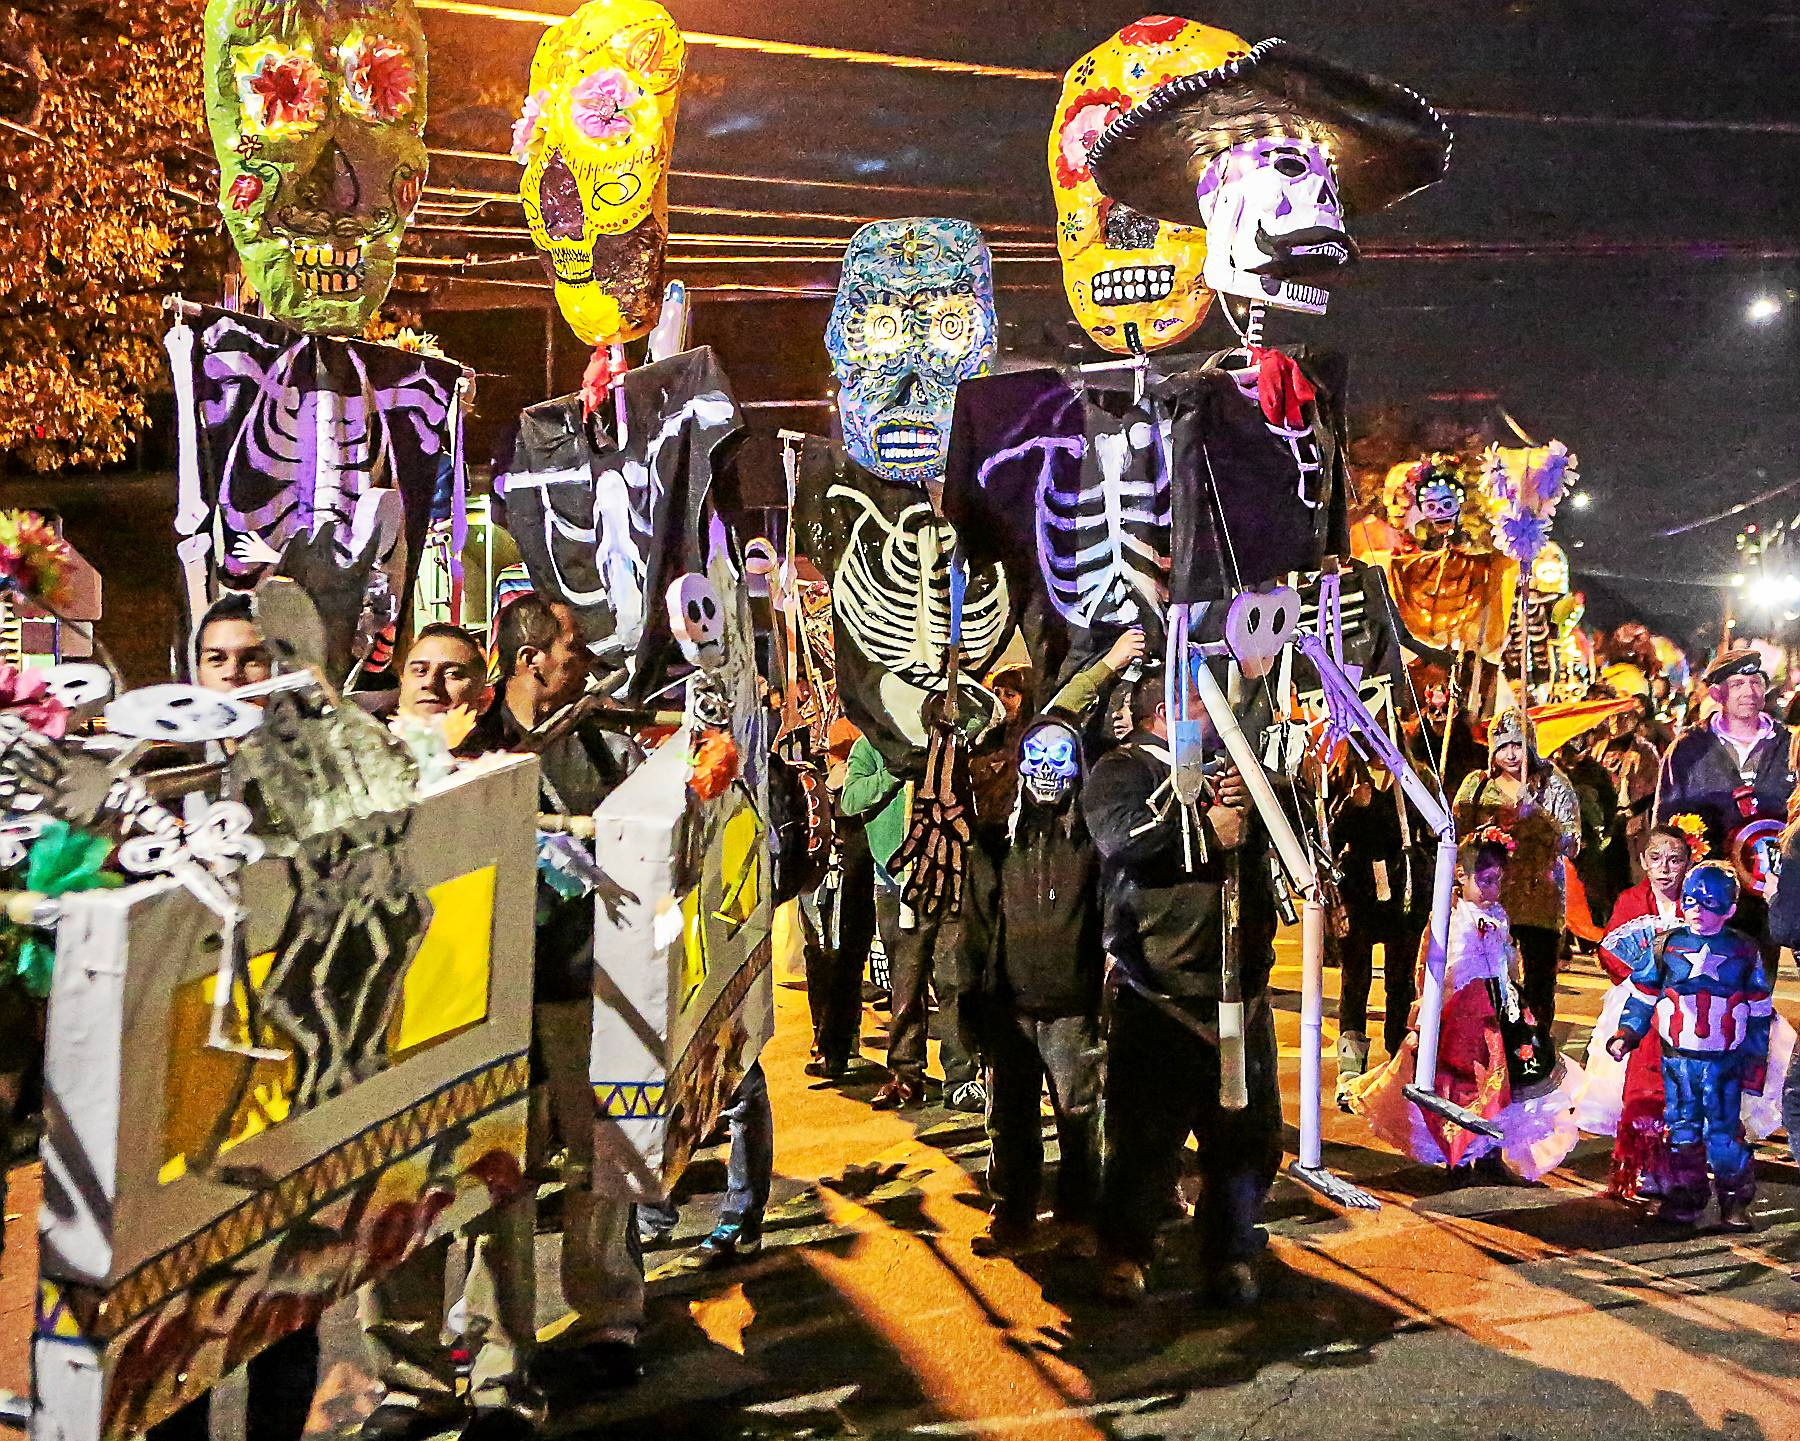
[752,1164]
[1790,1109]
[1702,1100]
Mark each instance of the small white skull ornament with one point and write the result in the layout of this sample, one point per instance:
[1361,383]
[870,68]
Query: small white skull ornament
[184,714]
[1258,625]
[698,621]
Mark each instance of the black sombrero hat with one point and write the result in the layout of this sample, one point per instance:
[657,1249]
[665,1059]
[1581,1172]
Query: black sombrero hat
[1385,141]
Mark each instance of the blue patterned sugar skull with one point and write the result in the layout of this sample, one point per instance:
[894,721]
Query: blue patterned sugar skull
[1049,761]
[914,316]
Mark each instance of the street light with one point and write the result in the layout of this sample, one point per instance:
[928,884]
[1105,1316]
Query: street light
[1581,500]
[1762,310]
[1769,591]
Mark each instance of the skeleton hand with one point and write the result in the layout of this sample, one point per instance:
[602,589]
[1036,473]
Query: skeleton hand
[254,550]
[932,852]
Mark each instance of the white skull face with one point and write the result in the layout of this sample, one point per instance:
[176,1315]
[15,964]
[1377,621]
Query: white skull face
[1049,761]
[1258,625]
[698,621]
[1440,503]
[184,714]
[79,683]
[1273,213]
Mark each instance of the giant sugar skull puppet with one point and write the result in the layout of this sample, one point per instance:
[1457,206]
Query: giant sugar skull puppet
[595,138]
[317,114]
[913,318]
[1133,280]
[1270,151]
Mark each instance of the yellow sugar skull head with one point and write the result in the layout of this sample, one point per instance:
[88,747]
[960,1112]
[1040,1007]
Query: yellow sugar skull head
[1133,281]
[595,137]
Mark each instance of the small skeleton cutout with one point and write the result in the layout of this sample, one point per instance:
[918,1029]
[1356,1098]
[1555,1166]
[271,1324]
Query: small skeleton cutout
[698,621]
[79,684]
[184,714]
[1258,625]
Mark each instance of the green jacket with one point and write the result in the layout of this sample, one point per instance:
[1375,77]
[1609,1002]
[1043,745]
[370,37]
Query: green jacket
[873,793]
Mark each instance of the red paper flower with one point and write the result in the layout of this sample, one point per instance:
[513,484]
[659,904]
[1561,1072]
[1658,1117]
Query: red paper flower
[245,191]
[1087,115]
[1153,30]
[379,81]
[26,694]
[603,372]
[282,89]
[34,559]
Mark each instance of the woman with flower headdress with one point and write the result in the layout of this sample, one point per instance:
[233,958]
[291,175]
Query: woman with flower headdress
[1489,1061]
[1536,806]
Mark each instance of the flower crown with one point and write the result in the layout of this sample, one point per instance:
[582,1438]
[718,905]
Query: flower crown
[1491,836]
[1693,831]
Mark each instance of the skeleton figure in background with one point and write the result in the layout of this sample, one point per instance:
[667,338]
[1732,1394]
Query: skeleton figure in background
[595,137]
[914,316]
[317,114]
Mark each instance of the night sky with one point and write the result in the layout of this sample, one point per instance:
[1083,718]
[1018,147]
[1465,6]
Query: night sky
[1625,172]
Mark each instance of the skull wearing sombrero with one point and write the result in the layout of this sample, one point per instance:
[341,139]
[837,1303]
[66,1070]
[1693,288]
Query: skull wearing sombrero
[1272,152]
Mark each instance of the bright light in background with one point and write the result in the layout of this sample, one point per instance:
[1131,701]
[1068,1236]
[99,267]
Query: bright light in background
[1737,581]
[1762,310]
[1581,500]
[1770,591]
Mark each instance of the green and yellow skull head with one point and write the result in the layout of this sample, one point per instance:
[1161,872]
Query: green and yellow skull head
[595,138]
[317,113]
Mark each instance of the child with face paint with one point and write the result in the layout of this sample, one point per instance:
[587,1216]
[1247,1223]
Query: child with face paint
[1481,1044]
[1033,943]
[1704,988]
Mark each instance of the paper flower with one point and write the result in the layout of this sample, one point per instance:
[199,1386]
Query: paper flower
[281,88]
[1088,114]
[1153,30]
[715,764]
[34,559]
[600,105]
[379,81]
[63,860]
[1693,830]
[245,191]
[603,372]
[526,127]
[26,694]
[1523,487]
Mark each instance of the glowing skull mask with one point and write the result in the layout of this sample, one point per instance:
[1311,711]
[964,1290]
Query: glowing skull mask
[914,317]
[1049,762]
[317,115]
[595,138]
[1273,214]
[1134,282]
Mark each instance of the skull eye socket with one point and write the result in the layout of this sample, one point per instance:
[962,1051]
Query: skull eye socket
[953,326]
[379,81]
[282,90]
[883,329]
[1289,164]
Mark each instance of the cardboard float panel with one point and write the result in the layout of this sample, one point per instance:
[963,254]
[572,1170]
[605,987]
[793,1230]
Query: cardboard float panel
[192,1214]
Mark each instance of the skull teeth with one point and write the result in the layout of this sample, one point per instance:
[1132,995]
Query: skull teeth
[1133,285]
[330,269]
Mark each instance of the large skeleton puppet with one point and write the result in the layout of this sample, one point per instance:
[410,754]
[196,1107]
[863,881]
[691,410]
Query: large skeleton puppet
[317,114]
[1270,151]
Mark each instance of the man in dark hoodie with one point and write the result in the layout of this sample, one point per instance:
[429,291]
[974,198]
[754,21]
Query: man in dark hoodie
[1164,930]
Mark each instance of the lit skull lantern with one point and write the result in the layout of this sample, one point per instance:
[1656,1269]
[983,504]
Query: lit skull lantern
[1270,149]
[317,114]
[1133,281]
[914,317]
[595,138]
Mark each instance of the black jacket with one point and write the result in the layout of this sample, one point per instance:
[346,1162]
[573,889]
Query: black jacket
[1700,775]
[1162,920]
[575,773]
[1032,929]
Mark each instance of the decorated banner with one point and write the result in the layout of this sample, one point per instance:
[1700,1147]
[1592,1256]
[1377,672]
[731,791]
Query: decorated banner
[285,437]
[683,997]
[606,524]
[206,1194]
[317,114]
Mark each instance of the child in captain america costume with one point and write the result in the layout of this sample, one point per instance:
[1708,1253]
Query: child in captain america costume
[1706,991]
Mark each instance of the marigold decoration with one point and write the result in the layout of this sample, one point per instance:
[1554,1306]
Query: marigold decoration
[1693,831]
[34,560]
[26,694]
[282,89]
[1493,836]
[715,764]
